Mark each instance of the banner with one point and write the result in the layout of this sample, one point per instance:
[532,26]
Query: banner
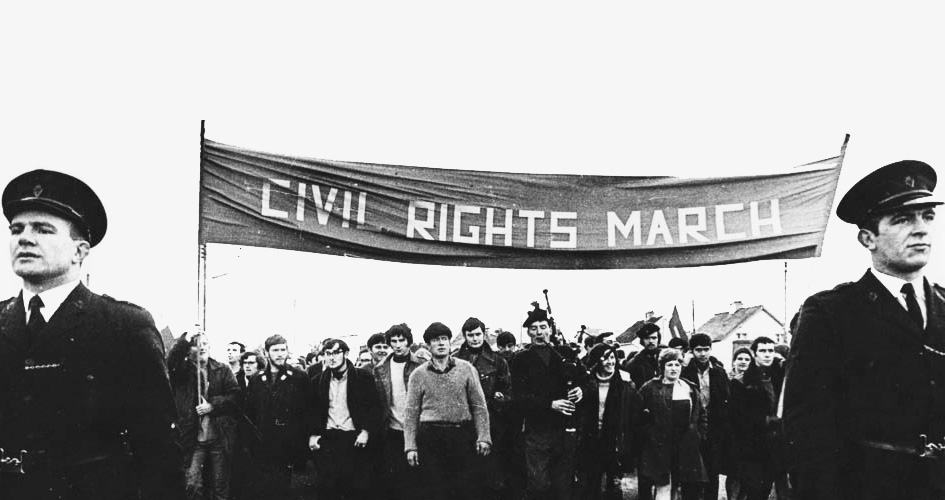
[492,219]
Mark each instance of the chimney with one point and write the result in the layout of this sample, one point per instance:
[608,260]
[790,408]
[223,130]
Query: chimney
[737,305]
[649,315]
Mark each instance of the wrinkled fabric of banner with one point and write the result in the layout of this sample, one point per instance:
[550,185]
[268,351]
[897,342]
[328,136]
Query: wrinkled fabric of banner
[492,219]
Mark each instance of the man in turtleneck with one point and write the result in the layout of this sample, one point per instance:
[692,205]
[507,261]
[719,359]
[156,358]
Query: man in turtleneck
[540,390]
[708,374]
[347,415]
[645,365]
[495,380]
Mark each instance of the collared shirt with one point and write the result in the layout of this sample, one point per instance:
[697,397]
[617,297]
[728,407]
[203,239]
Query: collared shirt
[52,299]
[704,390]
[894,285]
[338,415]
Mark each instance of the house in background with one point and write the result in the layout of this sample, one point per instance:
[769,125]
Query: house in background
[739,327]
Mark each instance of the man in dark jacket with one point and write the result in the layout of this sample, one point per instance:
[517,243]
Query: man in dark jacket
[709,376]
[391,376]
[281,404]
[496,382]
[645,365]
[865,388]
[548,401]
[347,416]
[207,416]
[86,409]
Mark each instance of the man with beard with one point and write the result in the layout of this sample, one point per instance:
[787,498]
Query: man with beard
[495,381]
[645,365]
[207,397]
[446,421]
[86,409]
[708,375]
[347,417]
[391,377]
[281,403]
[548,400]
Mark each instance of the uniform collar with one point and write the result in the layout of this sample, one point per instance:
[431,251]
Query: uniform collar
[894,285]
[52,298]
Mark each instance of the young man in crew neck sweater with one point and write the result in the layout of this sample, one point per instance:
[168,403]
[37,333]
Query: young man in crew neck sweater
[446,421]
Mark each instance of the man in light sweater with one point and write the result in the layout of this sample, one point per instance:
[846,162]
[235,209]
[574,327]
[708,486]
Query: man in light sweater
[446,421]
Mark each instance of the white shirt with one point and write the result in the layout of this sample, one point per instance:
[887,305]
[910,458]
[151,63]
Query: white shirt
[894,285]
[338,415]
[52,299]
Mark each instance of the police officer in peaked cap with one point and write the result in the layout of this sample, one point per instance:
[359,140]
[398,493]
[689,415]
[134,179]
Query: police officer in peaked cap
[864,396]
[86,410]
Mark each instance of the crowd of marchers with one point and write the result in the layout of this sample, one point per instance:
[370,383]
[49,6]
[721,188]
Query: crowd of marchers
[546,419]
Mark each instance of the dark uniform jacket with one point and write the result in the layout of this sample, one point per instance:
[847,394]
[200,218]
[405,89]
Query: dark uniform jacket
[860,371]
[92,389]
[223,393]
[364,406]
[282,408]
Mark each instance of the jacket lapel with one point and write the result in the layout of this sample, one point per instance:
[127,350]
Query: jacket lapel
[885,307]
[68,317]
[13,325]
[935,309]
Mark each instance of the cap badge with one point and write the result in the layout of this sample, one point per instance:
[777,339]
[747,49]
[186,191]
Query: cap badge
[37,190]
[909,181]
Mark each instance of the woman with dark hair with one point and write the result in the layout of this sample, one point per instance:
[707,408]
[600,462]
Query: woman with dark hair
[741,360]
[612,410]
[674,423]
[751,437]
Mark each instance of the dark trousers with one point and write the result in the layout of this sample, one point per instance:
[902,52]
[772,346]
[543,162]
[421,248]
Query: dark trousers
[447,454]
[398,481]
[343,469]
[712,458]
[210,463]
[549,460]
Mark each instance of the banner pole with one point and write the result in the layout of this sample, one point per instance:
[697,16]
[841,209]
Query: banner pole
[201,247]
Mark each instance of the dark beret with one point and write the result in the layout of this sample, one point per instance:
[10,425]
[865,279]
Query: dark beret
[435,330]
[535,315]
[597,353]
[647,330]
[58,194]
[700,340]
[906,183]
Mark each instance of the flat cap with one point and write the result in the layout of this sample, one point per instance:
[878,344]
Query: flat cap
[59,194]
[907,183]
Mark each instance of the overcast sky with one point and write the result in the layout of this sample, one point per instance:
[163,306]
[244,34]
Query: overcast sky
[115,97]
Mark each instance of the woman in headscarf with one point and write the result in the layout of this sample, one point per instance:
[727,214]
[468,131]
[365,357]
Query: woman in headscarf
[674,423]
[612,412]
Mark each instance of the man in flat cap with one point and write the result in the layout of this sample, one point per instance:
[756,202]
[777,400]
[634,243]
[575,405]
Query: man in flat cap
[644,366]
[864,397]
[86,409]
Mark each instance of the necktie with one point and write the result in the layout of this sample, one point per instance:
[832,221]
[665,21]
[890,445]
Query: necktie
[913,305]
[36,321]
